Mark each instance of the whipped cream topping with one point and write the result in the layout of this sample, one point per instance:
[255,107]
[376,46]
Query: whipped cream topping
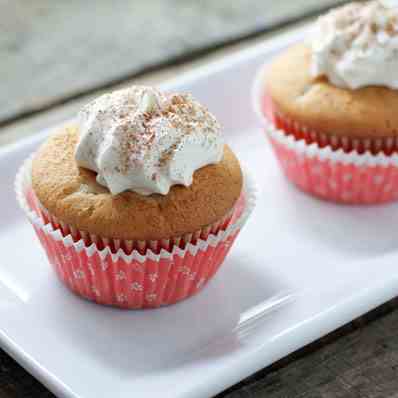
[142,140]
[357,45]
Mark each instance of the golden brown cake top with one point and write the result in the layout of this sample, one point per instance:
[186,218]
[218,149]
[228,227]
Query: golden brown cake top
[368,112]
[72,195]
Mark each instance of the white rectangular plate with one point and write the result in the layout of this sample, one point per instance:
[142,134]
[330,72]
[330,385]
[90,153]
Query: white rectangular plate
[300,269]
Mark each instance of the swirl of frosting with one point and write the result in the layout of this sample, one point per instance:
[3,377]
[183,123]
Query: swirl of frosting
[357,45]
[145,141]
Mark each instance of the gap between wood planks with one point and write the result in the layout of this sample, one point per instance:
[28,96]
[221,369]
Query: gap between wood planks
[26,125]
[171,62]
[358,360]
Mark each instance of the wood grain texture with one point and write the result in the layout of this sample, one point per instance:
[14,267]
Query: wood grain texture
[54,49]
[360,360]
[44,47]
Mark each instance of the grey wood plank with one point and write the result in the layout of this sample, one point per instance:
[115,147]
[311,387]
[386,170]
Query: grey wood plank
[361,364]
[52,116]
[54,49]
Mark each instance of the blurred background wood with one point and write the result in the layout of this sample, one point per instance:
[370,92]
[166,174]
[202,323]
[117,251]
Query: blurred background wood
[56,54]
[359,360]
[52,51]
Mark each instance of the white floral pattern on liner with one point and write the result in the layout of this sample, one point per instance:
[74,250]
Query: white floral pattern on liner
[23,182]
[312,150]
[336,181]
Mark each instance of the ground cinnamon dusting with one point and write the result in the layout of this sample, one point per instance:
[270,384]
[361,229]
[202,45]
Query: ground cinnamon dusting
[139,132]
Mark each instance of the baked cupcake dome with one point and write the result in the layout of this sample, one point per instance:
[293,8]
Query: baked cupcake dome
[328,106]
[72,195]
[365,113]
[137,205]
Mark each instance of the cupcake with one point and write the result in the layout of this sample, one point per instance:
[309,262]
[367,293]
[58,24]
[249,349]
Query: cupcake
[329,106]
[138,204]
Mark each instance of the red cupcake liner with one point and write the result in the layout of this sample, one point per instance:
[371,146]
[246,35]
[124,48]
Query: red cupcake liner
[338,169]
[142,246]
[128,274]
[386,145]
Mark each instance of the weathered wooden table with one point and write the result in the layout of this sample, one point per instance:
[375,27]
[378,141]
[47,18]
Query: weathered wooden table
[56,55]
